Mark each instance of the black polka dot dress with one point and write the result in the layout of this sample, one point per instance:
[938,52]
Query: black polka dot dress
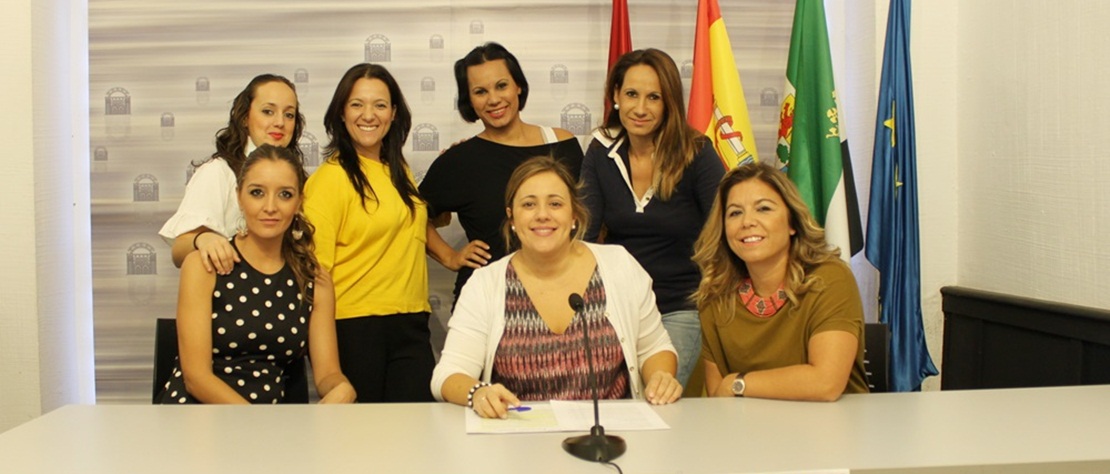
[259,327]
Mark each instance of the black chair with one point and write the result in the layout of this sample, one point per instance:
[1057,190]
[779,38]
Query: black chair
[876,356]
[165,352]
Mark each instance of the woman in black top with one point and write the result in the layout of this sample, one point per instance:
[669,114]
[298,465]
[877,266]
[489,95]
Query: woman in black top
[470,178]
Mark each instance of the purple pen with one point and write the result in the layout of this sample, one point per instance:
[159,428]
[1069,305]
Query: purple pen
[520,409]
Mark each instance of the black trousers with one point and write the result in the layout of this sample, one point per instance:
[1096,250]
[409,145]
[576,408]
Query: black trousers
[387,358]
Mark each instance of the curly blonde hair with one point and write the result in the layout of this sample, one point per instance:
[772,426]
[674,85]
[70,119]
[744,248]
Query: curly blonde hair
[722,271]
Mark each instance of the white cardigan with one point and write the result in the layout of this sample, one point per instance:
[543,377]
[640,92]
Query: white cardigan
[476,326]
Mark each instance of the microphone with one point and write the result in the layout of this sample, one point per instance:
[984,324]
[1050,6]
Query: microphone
[596,446]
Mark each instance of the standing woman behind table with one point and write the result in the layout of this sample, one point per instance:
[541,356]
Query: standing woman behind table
[265,112]
[514,336]
[649,180]
[370,232]
[470,178]
[781,312]
[239,332]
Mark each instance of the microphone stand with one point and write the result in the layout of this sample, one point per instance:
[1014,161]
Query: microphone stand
[596,446]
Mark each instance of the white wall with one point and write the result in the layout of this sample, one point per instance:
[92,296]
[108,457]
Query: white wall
[1033,171]
[45,289]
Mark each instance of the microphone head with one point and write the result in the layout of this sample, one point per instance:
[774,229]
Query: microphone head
[576,302]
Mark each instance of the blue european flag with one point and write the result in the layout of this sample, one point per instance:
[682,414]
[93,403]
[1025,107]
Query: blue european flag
[892,229]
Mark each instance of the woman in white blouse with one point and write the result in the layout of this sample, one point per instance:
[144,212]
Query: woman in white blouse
[265,112]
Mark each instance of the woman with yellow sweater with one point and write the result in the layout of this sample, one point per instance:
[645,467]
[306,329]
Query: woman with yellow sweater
[370,233]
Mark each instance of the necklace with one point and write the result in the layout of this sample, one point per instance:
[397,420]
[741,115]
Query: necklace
[759,306]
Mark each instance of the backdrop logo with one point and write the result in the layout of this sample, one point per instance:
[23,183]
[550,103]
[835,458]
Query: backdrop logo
[202,84]
[145,188]
[377,49]
[142,259]
[576,118]
[300,76]
[310,149]
[435,42]
[687,69]
[117,101]
[559,74]
[100,154]
[425,137]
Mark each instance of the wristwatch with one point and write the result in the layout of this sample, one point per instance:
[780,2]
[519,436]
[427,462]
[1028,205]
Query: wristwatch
[738,386]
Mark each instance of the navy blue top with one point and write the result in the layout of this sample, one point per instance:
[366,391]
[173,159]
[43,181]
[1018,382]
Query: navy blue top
[662,234]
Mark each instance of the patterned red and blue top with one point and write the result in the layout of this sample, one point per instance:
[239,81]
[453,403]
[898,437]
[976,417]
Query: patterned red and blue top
[537,364]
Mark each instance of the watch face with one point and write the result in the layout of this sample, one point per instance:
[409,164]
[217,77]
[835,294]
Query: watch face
[738,387]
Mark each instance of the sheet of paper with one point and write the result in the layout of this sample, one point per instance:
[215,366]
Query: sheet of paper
[539,419]
[616,415]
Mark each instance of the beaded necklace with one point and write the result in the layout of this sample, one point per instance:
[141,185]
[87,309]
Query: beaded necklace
[759,306]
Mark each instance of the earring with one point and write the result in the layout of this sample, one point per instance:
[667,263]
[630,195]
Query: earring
[513,227]
[296,231]
[574,226]
[616,106]
[241,227]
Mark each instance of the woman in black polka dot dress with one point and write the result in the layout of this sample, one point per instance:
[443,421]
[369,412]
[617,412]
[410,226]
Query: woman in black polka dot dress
[237,333]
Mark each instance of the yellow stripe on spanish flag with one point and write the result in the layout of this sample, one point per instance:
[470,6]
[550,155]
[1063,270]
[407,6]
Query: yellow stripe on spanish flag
[717,105]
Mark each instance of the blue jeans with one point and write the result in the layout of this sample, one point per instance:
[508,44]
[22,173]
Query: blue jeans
[684,328]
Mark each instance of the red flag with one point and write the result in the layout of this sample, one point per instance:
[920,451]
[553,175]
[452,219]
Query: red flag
[620,42]
[717,107]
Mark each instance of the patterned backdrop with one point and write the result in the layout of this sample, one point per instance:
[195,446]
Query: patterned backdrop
[167,72]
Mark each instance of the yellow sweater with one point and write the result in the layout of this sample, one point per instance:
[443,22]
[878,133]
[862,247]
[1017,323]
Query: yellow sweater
[375,254]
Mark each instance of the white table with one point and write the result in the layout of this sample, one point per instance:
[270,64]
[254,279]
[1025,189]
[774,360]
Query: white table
[1021,430]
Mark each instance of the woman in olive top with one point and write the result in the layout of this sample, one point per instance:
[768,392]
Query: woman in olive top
[781,312]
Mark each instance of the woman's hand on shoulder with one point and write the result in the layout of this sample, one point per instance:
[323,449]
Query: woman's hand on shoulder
[493,401]
[662,388]
[216,253]
[341,393]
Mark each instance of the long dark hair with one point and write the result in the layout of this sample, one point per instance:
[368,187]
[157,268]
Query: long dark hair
[480,55]
[343,148]
[299,253]
[232,139]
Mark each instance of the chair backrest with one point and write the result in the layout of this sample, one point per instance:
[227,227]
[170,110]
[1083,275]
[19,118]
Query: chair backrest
[876,356]
[165,352]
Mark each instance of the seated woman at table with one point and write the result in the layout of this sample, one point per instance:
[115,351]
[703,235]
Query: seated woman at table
[780,312]
[238,332]
[514,336]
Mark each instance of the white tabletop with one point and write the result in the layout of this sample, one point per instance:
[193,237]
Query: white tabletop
[919,432]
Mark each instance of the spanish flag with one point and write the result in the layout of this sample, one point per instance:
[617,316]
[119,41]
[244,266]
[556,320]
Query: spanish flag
[717,105]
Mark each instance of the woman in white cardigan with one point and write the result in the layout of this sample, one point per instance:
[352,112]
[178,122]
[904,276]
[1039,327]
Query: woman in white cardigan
[514,336]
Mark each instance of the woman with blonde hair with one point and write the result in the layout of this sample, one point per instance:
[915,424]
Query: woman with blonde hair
[649,180]
[515,334]
[780,311]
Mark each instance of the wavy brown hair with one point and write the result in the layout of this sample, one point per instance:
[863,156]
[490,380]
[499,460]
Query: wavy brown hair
[676,141]
[532,167]
[232,139]
[722,271]
[299,254]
